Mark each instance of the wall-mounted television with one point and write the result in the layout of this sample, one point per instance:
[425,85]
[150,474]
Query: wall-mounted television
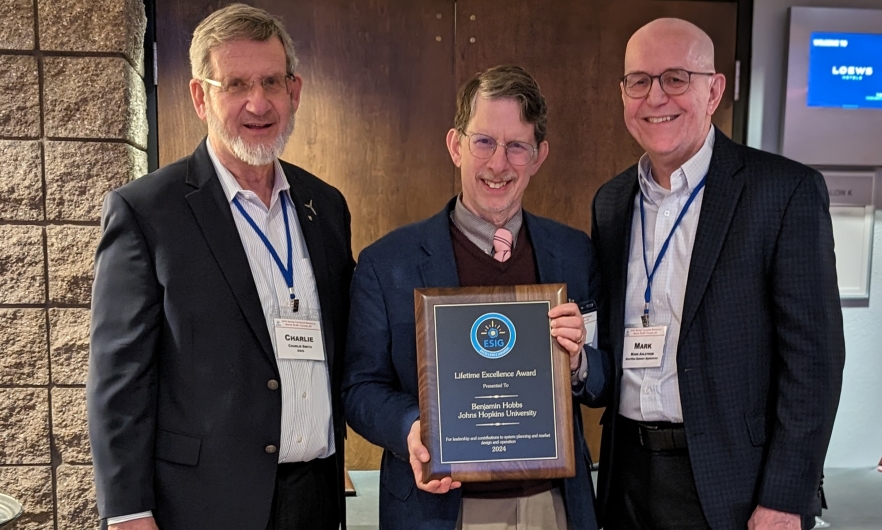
[833,107]
[845,70]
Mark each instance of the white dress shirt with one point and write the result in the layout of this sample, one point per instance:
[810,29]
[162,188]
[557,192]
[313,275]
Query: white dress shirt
[307,425]
[653,394]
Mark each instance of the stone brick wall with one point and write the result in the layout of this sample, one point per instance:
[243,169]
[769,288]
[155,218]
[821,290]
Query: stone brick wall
[72,127]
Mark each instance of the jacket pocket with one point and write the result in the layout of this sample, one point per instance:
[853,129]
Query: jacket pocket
[396,477]
[177,448]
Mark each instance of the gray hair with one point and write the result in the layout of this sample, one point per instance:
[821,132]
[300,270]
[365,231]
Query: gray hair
[232,23]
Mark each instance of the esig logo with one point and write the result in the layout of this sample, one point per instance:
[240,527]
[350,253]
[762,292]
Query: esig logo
[493,335]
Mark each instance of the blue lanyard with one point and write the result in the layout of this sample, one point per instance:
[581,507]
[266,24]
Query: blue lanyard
[647,295]
[287,272]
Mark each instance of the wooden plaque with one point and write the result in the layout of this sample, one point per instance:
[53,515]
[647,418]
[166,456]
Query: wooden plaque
[495,393]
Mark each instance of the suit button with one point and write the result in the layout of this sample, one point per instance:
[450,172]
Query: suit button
[270,449]
[272,384]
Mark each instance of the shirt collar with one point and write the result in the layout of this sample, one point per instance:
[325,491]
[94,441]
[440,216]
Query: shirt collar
[231,186]
[480,231]
[687,177]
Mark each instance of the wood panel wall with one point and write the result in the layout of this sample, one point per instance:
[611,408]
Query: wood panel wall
[380,79]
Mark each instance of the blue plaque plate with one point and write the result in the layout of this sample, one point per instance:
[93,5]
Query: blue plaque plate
[494,373]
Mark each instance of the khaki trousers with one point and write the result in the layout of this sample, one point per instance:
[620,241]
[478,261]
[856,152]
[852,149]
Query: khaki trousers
[543,511]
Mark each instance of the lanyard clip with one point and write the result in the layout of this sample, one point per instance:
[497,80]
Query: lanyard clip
[295,303]
[644,318]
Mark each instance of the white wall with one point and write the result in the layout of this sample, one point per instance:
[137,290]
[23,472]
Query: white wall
[857,435]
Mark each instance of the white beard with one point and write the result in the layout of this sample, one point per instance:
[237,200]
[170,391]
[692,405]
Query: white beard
[253,155]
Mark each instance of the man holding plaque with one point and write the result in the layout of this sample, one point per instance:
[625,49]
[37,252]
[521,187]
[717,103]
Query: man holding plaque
[481,238]
[724,318]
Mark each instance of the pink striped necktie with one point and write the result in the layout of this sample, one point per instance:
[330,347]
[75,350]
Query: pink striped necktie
[502,244]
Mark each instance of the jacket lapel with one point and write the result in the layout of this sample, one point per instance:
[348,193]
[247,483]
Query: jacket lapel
[308,215]
[548,263]
[438,267]
[212,212]
[721,195]
[620,243]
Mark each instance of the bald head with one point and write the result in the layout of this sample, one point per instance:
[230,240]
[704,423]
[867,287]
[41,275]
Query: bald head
[672,37]
[673,92]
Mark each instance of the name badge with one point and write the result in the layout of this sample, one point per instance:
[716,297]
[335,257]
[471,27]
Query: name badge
[299,339]
[643,347]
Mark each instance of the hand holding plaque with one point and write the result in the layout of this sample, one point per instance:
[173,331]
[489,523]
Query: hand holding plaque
[495,398]
[568,327]
[419,457]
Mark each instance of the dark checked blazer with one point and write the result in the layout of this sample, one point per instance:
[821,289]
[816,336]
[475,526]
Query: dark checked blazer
[380,387]
[179,407]
[761,347]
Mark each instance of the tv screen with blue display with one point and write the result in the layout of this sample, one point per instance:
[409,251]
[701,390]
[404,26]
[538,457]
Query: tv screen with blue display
[845,70]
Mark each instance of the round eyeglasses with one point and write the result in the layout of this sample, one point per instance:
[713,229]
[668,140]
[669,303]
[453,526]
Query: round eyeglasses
[672,82]
[516,152]
[236,88]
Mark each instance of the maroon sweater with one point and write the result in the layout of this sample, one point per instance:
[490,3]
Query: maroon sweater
[477,268]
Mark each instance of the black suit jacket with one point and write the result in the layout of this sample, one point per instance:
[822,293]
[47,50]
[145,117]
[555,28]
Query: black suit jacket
[180,410]
[761,348]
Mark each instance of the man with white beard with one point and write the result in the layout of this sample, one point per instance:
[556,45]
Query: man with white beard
[219,312]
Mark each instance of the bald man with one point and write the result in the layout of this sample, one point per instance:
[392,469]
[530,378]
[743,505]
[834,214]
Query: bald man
[724,319]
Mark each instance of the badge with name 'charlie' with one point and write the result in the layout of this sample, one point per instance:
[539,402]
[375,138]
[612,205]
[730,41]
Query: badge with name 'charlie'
[299,339]
[493,335]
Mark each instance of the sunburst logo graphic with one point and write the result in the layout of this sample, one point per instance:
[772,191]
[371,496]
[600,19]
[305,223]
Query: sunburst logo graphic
[493,335]
[493,330]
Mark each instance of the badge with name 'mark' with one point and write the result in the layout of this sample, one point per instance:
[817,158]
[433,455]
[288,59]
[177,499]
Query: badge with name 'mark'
[495,399]
[643,347]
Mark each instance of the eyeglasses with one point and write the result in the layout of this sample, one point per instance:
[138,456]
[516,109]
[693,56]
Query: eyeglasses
[518,153]
[236,88]
[672,82]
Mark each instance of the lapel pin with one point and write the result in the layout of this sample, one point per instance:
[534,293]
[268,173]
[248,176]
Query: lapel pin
[309,205]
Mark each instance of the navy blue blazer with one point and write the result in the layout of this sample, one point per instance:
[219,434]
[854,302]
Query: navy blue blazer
[761,347]
[380,389]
